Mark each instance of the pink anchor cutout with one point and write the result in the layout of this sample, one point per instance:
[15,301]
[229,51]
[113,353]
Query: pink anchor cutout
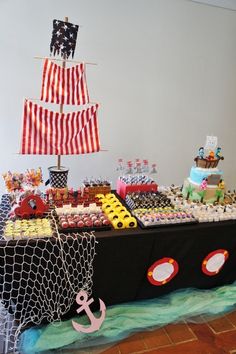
[96,323]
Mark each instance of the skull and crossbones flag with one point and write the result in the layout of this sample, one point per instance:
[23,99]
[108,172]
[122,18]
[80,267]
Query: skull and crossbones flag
[64,37]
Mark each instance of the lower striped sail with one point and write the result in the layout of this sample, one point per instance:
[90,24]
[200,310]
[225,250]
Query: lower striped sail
[46,132]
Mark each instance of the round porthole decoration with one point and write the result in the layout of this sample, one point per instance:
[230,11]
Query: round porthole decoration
[214,261]
[162,271]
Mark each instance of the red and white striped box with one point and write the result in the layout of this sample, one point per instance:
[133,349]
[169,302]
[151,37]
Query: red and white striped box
[122,188]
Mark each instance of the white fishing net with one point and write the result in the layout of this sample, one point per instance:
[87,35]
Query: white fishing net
[39,278]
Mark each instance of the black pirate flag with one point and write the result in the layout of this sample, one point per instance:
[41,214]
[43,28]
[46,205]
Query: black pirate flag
[64,36]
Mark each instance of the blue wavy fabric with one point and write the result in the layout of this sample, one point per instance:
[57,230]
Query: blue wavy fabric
[124,319]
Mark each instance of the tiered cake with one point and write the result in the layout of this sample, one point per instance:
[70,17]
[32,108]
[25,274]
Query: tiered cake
[205,182]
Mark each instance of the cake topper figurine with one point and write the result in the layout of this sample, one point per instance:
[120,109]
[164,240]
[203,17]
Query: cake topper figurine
[218,153]
[201,152]
[211,155]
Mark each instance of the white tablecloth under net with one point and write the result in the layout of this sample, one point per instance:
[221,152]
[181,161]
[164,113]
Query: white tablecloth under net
[39,278]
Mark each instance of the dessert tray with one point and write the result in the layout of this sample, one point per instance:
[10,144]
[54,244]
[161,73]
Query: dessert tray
[79,219]
[150,218]
[154,209]
[22,229]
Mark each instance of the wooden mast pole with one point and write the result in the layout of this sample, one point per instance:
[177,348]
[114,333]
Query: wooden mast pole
[61,105]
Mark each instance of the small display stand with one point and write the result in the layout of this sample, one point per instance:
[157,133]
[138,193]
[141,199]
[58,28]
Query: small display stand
[122,188]
[96,186]
[58,176]
[136,177]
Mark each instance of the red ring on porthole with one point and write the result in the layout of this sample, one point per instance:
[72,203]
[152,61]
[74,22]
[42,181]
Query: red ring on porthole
[162,271]
[214,262]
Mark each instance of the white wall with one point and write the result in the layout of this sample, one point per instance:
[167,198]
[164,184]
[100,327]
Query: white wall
[227,4]
[166,77]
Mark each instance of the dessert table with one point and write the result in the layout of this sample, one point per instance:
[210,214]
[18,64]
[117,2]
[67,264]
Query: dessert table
[121,264]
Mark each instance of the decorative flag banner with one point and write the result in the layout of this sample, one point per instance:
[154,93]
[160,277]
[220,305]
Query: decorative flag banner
[64,37]
[64,85]
[46,132]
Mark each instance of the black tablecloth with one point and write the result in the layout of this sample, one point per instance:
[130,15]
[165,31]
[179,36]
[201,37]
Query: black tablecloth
[124,257]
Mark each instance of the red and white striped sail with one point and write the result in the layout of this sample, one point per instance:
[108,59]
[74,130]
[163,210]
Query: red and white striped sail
[64,85]
[46,132]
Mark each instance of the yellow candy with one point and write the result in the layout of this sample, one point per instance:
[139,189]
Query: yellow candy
[113,216]
[130,222]
[106,206]
[118,224]
[109,196]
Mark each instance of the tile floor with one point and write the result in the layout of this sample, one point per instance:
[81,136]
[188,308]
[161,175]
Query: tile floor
[217,336]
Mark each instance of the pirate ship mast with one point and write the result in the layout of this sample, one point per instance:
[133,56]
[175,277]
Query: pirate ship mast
[61,105]
[52,133]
